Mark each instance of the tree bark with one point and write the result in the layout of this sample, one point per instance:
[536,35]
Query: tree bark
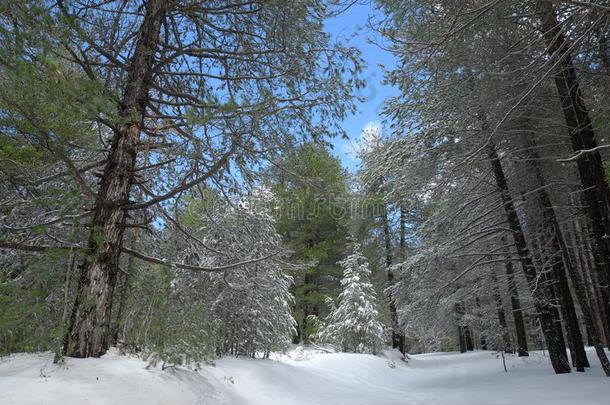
[89,331]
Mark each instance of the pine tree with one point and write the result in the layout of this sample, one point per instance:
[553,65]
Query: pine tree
[353,325]
[312,190]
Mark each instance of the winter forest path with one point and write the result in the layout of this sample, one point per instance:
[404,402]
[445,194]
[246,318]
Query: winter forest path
[302,377]
[431,379]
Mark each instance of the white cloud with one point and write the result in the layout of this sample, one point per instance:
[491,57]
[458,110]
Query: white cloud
[369,137]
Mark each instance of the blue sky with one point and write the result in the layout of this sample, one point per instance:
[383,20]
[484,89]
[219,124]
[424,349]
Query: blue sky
[351,29]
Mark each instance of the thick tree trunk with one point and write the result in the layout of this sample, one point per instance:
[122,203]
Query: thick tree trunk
[90,320]
[590,167]
[575,340]
[547,313]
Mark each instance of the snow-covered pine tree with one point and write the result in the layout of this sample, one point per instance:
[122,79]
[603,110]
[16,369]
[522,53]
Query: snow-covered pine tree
[249,306]
[353,325]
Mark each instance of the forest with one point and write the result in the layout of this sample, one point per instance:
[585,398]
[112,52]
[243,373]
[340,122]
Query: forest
[206,197]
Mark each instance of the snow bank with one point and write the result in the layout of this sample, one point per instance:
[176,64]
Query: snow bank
[303,376]
[112,379]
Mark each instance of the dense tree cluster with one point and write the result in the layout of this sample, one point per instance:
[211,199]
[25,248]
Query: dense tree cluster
[495,142]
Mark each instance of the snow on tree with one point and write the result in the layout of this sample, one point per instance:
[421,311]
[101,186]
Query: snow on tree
[353,325]
[249,306]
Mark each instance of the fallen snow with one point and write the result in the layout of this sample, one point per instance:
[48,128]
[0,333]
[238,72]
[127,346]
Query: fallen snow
[302,376]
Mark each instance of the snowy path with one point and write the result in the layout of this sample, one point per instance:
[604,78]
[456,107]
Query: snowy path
[302,378]
[445,378]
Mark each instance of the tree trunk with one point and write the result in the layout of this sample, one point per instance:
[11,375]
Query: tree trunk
[586,274]
[547,314]
[593,331]
[403,232]
[459,310]
[398,339]
[590,167]
[515,303]
[482,339]
[125,285]
[90,319]
[468,337]
[507,344]
[559,257]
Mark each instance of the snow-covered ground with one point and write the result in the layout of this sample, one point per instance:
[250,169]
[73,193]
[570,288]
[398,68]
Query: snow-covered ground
[302,377]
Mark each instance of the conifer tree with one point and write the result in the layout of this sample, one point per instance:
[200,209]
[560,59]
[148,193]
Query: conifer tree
[353,325]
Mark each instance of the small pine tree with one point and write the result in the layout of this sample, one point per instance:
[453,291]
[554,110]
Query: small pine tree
[353,325]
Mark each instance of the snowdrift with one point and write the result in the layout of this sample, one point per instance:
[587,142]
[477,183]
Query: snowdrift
[301,377]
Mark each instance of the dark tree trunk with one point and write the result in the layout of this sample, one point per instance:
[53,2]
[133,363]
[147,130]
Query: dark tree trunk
[89,330]
[402,256]
[591,275]
[468,337]
[590,167]
[547,313]
[507,344]
[403,233]
[459,310]
[555,252]
[586,274]
[398,338]
[482,339]
[515,303]
[593,331]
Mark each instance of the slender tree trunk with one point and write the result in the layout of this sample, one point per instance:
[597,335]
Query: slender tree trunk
[585,274]
[469,339]
[398,338]
[547,314]
[403,232]
[125,285]
[507,343]
[90,319]
[482,339]
[403,254]
[592,277]
[593,331]
[459,310]
[517,312]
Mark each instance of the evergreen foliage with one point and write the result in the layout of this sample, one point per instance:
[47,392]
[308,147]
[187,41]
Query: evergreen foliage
[353,324]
